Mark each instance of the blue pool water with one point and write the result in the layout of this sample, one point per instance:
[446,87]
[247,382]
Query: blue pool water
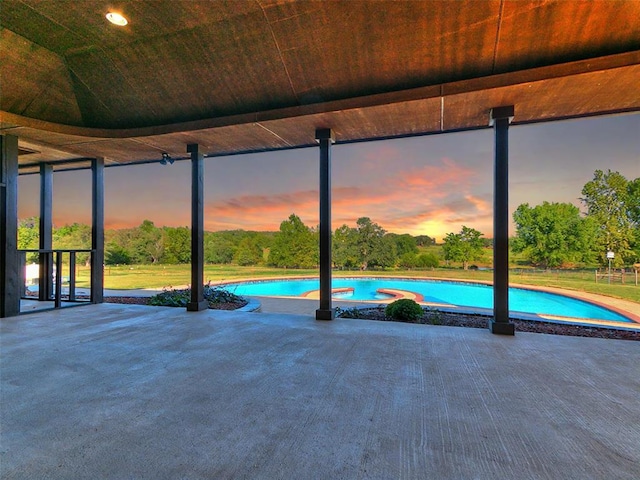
[453,293]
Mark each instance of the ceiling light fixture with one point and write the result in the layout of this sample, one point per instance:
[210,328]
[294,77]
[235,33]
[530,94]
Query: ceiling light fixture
[166,158]
[117,19]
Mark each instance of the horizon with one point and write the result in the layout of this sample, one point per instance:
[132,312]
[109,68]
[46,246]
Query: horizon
[427,185]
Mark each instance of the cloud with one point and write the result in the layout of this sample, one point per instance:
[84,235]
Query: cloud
[266,212]
[400,185]
[262,204]
[430,199]
[483,205]
[436,197]
[448,172]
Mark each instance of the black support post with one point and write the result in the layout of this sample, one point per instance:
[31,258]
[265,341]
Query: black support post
[72,276]
[500,118]
[45,282]
[325,138]
[197,302]
[97,230]
[58,292]
[10,285]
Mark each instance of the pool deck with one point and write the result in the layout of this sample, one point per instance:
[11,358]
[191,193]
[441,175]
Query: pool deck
[125,391]
[626,308]
[308,307]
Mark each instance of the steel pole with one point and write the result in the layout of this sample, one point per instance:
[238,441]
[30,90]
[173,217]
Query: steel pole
[197,302]
[324,137]
[97,230]
[500,118]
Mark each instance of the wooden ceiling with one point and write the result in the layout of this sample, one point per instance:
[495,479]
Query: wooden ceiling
[240,76]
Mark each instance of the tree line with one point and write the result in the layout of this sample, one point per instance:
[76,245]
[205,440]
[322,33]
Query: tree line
[552,235]
[294,245]
[548,235]
[364,246]
[557,234]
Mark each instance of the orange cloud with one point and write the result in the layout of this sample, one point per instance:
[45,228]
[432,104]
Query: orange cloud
[265,212]
[481,204]
[432,200]
[434,176]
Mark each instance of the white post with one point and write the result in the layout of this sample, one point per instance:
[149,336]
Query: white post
[610,256]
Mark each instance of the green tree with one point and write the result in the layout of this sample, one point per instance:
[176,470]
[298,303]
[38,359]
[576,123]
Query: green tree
[29,237]
[464,247]
[116,255]
[405,243]
[408,260]
[633,210]
[344,247]
[553,234]
[74,236]
[427,260]
[633,201]
[608,204]
[177,245]
[219,247]
[248,252]
[147,243]
[424,240]
[384,253]
[122,238]
[368,237]
[295,245]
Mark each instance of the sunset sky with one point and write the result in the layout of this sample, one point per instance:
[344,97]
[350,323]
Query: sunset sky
[428,185]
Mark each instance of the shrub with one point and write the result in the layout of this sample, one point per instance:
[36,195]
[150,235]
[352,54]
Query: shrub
[180,298]
[405,310]
[427,260]
[408,260]
[217,294]
[171,298]
[353,312]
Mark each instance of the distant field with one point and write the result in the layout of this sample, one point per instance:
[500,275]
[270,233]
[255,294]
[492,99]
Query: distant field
[159,276]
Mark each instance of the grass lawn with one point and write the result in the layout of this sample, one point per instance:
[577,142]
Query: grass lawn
[159,276]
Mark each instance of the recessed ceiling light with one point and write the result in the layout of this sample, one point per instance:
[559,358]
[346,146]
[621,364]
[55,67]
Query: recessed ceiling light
[117,19]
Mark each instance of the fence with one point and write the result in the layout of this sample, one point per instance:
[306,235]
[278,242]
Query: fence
[49,275]
[620,275]
[616,275]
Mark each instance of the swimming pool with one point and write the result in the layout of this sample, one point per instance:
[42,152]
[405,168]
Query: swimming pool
[434,291]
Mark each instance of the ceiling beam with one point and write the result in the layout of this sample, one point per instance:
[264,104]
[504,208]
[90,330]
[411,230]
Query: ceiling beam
[422,93]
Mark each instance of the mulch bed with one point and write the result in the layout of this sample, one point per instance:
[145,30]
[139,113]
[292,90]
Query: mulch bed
[145,301]
[481,321]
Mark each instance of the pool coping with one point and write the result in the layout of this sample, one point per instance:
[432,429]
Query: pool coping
[595,299]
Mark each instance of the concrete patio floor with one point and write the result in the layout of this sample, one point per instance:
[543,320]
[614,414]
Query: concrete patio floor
[127,391]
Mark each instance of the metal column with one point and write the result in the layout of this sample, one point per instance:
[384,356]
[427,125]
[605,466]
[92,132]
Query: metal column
[97,230]
[45,282]
[10,288]
[325,138]
[500,118]
[197,302]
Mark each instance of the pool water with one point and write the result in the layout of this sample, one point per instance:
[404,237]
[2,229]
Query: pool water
[442,292]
